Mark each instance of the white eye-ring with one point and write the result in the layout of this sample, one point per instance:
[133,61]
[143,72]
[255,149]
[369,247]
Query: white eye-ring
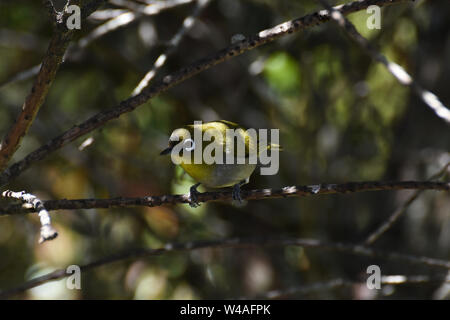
[186,143]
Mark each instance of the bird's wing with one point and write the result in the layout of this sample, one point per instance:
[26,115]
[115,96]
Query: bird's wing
[219,129]
[250,139]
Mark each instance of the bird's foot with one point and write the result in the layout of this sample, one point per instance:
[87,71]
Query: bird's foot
[236,193]
[193,199]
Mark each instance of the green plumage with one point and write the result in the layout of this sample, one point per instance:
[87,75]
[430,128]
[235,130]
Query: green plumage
[218,175]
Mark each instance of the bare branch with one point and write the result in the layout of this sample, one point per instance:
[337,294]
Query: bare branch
[47,72]
[52,60]
[291,191]
[107,14]
[339,282]
[109,26]
[183,74]
[188,23]
[374,236]
[429,98]
[22,75]
[152,8]
[117,18]
[47,231]
[126,17]
[232,243]
[306,289]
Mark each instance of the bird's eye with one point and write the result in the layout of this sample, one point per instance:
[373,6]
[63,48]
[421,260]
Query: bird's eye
[189,144]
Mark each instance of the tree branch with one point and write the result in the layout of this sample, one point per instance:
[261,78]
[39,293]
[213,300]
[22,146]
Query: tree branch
[290,191]
[47,230]
[126,18]
[50,65]
[183,74]
[232,243]
[47,72]
[117,18]
[188,23]
[429,98]
[339,282]
[399,212]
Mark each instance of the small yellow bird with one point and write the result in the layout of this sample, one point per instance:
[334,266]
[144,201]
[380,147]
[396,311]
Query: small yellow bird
[239,148]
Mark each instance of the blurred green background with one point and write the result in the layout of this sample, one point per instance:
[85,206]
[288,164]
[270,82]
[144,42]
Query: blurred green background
[341,116]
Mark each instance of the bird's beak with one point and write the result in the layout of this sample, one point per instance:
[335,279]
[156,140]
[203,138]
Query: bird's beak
[166,151]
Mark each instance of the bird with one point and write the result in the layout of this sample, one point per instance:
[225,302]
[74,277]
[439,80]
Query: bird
[234,157]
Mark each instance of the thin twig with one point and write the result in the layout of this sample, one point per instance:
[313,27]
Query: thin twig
[291,191]
[47,230]
[50,65]
[306,289]
[107,14]
[339,282]
[22,75]
[183,74]
[404,78]
[188,23]
[115,23]
[126,18]
[152,8]
[232,243]
[117,18]
[47,72]
[429,98]
[374,236]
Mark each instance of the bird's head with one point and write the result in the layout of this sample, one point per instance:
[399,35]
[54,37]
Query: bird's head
[183,136]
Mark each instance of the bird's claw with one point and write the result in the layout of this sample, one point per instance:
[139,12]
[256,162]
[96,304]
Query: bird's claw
[193,199]
[236,193]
